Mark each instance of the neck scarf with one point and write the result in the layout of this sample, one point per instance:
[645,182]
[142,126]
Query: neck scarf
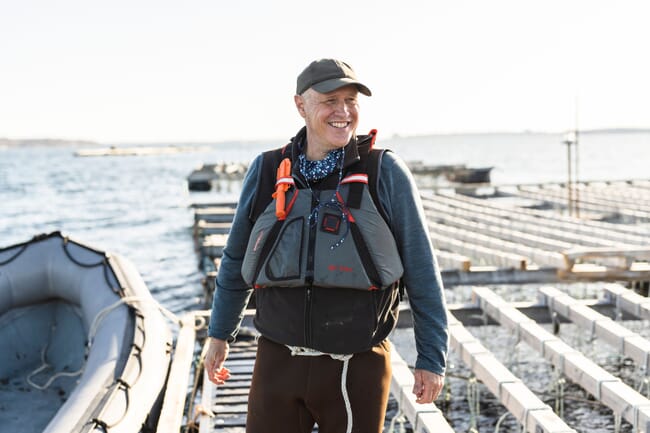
[317,170]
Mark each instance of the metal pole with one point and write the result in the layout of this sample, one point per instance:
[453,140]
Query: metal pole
[569,140]
[577,159]
[577,199]
[569,182]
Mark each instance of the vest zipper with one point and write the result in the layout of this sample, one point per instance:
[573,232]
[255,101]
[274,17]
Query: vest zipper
[308,318]
[309,277]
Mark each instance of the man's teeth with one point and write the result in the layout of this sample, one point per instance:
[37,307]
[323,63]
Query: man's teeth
[339,124]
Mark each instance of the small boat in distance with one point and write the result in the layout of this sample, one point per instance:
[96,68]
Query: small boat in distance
[83,344]
[469,175]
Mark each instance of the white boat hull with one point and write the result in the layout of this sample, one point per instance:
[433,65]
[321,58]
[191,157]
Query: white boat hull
[81,325]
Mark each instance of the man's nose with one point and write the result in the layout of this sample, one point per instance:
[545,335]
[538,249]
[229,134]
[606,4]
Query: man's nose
[342,107]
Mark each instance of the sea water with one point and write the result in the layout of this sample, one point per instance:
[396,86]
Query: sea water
[139,207]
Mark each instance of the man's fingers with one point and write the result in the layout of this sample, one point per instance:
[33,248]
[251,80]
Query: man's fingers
[427,386]
[219,376]
[215,357]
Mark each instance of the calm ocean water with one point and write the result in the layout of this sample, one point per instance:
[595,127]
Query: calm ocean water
[138,206]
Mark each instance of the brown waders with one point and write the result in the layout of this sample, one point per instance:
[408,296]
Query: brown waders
[289,394]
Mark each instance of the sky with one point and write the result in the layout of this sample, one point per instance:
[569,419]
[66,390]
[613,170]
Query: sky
[141,71]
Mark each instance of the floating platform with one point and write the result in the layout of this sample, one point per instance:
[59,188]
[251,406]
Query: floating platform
[504,237]
[508,238]
[139,150]
[204,177]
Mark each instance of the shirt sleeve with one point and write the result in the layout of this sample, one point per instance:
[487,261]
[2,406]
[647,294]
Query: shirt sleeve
[400,198]
[232,293]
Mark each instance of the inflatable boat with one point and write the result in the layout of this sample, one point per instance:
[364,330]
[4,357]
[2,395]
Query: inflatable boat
[83,345]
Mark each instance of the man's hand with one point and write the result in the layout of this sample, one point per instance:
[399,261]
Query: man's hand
[427,386]
[214,358]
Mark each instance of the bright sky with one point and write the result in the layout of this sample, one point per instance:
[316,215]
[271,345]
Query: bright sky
[211,70]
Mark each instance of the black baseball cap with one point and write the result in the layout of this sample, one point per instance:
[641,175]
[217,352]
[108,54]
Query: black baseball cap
[327,75]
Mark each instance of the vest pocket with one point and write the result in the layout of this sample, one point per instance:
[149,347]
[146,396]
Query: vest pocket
[343,320]
[284,261]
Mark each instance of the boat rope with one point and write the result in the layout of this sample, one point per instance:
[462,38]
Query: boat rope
[473,401]
[398,418]
[91,335]
[644,384]
[200,323]
[12,258]
[130,301]
[497,427]
[617,423]
[305,351]
[558,385]
[193,413]
[45,365]
[66,242]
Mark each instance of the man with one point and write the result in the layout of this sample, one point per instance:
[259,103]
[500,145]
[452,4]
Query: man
[325,253]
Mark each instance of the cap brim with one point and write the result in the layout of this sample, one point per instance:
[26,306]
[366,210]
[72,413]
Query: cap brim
[336,83]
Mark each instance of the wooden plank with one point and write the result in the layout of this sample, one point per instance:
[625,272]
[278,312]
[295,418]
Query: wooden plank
[213,245]
[605,387]
[478,276]
[171,414]
[630,234]
[222,214]
[627,342]
[590,204]
[451,260]
[625,255]
[520,401]
[547,228]
[624,194]
[423,417]
[204,228]
[536,255]
[629,301]
[228,402]
[478,252]
[503,230]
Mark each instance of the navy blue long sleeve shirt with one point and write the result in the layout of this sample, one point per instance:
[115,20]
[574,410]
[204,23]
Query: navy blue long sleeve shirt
[399,196]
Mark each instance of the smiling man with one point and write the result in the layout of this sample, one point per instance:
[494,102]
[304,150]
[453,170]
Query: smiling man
[328,232]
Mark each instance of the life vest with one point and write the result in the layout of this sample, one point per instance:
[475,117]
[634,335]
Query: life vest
[345,242]
[328,282]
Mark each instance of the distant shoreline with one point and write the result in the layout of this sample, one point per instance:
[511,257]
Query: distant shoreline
[50,142]
[45,142]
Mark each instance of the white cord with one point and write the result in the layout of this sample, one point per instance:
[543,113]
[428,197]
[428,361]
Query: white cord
[45,365]
[91,335]
[344,391]
[305,351]
[127,300]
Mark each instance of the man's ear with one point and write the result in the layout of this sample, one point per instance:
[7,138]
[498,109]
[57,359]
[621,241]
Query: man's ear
[300,104]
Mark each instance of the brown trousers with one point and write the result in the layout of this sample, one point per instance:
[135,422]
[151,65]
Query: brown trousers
[290,393]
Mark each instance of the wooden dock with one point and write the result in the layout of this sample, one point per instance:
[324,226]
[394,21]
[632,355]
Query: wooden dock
[204,177]
[507,236]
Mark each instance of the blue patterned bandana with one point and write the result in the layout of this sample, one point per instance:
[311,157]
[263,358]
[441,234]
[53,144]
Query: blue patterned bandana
[317,170]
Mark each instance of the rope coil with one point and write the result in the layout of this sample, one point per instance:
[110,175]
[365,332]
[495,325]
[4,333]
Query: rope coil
[305,351]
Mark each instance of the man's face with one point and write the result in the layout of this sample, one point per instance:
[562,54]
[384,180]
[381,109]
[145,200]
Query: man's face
[331,118]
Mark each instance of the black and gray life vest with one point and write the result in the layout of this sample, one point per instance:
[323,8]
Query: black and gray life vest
[328,282]
[344,243]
